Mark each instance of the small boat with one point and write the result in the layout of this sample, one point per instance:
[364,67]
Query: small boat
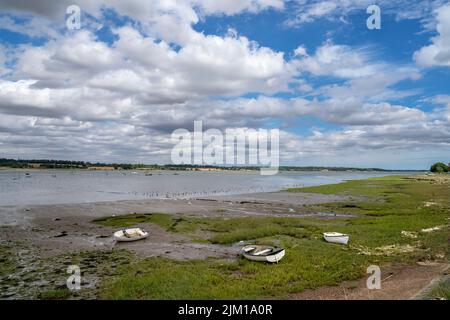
[131,234]
[148,174]
[263,253]
[336,237]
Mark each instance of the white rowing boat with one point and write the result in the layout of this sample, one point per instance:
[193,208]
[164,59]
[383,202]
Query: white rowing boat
[336,237]
[131,234]
[263,253]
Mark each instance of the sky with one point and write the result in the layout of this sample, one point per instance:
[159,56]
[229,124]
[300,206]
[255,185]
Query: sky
[115,89]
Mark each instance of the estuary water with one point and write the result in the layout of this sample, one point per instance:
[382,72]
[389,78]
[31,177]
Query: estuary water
[35,187]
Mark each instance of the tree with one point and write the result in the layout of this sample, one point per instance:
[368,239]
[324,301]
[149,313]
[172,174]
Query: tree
[439,167]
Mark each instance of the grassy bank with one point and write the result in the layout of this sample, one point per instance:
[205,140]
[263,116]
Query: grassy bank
[441,291]
[398,220]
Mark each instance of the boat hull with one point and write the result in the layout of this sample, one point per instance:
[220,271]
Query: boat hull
[336,238]
[271,257]
[135,235]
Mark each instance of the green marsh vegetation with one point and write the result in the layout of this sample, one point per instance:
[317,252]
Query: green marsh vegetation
[399,220]
[441,291]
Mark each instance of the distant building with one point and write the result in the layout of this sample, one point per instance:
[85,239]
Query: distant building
[34,165]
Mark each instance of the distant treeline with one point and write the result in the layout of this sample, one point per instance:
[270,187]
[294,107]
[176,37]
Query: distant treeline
[65,164]
[440,167]
[58,164]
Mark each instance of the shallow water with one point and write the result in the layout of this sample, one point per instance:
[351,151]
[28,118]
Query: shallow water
[58,187]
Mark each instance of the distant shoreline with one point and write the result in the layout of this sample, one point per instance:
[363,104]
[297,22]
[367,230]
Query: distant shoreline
[52,164]
[236,170]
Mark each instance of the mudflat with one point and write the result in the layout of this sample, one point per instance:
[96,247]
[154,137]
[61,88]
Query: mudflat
[399,223]
[61,227]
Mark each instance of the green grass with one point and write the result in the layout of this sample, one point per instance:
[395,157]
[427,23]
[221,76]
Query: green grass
[368,187]
[57,294]
[387,207]
[307,265]
[241,229]
[7,260]
[441,291]
[224,231]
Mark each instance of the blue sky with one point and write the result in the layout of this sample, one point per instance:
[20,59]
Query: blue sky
[114,90]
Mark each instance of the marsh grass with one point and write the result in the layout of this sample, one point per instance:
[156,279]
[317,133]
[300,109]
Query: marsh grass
[7,260]
[57,294]
[222,231]
[386,207]
[441,291]
[228,231]
[307,265]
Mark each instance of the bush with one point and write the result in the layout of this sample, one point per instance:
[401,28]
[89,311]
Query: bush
[439,167]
